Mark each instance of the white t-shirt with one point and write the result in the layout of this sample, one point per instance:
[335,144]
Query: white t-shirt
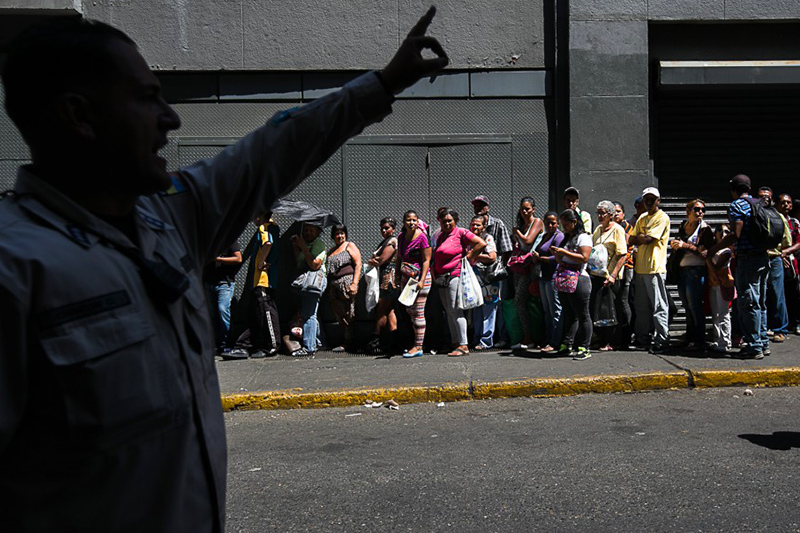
[584,239]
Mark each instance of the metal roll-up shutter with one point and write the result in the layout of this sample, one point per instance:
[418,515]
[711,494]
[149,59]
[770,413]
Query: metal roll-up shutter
[704,137]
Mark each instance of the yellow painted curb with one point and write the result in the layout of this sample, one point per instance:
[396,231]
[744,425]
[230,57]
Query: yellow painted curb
[450,392]
[534,387]
[543,387]
[754,377]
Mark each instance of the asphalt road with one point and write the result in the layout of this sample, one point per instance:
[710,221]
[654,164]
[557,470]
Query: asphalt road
[691,460]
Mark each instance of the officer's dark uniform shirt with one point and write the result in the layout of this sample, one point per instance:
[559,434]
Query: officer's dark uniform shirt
[110,414]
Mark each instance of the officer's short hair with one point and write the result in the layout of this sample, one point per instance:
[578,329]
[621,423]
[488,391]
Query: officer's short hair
[51,58]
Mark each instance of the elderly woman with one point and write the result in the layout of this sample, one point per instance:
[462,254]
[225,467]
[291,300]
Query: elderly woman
[450,249]
[524,236]
[694,238]
[574,285]
[344,273]
[310,254]
[384,258]
[413,262]
[610,235]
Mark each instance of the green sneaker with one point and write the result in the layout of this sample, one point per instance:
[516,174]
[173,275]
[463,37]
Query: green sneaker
[564,350]
[581,354]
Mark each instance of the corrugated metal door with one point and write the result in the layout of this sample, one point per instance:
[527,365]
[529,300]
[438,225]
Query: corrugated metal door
[705,137]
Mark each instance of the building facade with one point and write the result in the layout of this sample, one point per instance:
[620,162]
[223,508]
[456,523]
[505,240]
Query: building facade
[609,96]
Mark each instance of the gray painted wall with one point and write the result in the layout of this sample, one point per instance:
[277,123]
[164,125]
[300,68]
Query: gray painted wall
[316,35]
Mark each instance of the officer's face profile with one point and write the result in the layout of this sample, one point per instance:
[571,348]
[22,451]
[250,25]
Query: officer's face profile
[129,123]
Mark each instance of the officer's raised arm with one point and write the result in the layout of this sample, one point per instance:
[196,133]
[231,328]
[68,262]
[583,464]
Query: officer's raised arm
[225,192]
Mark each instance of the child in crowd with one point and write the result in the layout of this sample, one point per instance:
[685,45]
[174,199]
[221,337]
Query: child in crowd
[721,293]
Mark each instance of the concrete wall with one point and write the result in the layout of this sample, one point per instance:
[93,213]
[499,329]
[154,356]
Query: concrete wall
[609,84]
[316,35]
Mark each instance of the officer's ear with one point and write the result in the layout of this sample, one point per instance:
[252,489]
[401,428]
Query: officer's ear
[77,115]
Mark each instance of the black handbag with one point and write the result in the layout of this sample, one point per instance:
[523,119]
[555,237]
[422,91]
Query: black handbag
[674,266]
[496,271]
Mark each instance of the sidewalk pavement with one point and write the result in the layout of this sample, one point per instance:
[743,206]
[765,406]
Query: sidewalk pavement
[337,380]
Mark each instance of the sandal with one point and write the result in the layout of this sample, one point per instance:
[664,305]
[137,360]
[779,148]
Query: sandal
[458,352]
[481,347]
[338,349]
[548,349]
[300,352]
[606,348]
[409,355]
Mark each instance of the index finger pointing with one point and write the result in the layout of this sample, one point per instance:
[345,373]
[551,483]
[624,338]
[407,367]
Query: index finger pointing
[422,24]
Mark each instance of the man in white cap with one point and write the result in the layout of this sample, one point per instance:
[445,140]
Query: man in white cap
[650,235]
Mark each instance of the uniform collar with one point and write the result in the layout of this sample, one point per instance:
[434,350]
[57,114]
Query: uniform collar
[55,208]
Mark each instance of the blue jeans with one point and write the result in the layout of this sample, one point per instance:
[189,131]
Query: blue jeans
[551,304]
[309,304]
[483,320]
[219,302]
[751,275]
[777,314]
[692,290]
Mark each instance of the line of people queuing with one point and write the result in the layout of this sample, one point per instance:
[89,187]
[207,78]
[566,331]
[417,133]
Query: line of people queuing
[565,283]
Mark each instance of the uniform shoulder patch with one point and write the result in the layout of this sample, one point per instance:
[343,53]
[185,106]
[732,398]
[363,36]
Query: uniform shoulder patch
[177,187]
[283,116]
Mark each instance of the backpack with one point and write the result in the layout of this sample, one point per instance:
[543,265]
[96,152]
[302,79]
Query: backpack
[766,225]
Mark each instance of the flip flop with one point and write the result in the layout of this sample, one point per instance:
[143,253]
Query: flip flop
[458,352]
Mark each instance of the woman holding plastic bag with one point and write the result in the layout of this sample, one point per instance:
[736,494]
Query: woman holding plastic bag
[574,286]
[382,265]
[608,256]
[483,317]
[413,276]
[451,246]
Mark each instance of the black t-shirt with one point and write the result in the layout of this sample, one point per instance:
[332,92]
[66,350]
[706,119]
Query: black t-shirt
[223,272]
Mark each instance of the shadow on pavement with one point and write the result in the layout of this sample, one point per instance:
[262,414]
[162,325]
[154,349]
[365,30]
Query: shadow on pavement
[779,440]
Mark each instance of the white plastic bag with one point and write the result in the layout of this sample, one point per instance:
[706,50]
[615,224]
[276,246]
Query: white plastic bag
[409,294]
[373,288]
[470,294]
[598,261]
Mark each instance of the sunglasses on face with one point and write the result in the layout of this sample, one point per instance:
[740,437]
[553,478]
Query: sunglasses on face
[699,209]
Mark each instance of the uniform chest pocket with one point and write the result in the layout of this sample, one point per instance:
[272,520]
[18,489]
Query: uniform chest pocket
[112,381]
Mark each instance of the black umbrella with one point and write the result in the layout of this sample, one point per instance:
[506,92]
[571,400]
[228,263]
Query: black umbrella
[305,212]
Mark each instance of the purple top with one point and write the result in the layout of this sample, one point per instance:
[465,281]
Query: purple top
[549,267]
[412,252]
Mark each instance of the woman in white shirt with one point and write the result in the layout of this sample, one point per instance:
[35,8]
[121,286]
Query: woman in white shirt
[575,287]
[483,317]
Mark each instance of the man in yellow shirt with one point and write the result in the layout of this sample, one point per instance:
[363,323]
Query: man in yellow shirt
[263,335]
[650,235]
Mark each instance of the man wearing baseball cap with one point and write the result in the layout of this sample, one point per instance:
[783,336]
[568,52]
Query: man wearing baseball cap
[752,270]
[651,234]
[494,226]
